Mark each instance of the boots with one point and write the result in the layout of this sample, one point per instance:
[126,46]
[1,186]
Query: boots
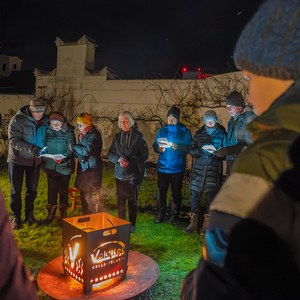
[62,213]
[193,224]
[205,223]
[51,210]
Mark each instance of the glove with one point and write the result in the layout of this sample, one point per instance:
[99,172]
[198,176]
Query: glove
[221,152]
[36,151]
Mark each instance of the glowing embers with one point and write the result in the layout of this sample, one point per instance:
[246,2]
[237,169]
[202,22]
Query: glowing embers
[106,276]
[95,249]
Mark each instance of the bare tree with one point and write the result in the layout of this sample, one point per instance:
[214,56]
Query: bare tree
[191,96]
[5,119]
[56,94]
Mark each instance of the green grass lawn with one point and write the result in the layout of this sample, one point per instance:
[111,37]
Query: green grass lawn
[175,253]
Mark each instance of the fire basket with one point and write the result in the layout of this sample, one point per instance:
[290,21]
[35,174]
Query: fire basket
[95,249]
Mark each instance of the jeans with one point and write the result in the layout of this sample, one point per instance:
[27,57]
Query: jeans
[16,173]
[127,190]
[164,179]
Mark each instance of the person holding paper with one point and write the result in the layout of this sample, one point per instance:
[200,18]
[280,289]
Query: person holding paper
[128,152]
[207,170]
[59,140]
[172,144]
[238,137]
[89,170]
[26,133]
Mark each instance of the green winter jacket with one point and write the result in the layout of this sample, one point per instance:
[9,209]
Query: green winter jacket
[59,142]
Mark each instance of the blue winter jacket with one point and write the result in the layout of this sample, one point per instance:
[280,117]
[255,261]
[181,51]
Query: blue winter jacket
[173,161]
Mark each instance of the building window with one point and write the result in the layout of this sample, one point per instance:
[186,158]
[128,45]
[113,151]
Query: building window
[15,67]
[4,67]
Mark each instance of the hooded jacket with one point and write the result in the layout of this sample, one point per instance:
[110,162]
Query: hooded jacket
[131,145]
[207,168]
[60,142]
[23,134]
[173,161]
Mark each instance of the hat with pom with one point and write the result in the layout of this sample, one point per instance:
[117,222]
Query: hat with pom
[57,116]
[85,118]
[270,43]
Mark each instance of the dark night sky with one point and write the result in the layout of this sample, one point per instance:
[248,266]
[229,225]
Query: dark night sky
[136,38]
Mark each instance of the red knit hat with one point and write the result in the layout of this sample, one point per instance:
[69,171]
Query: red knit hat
[57,116]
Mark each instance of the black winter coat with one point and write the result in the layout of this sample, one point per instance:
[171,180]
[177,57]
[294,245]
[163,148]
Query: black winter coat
[208,168]
[134,149]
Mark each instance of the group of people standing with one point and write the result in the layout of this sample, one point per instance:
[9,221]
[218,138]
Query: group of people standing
[36,140]
[210,145]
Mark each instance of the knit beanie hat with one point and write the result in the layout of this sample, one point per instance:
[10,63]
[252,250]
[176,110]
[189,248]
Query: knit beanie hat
[210,115]
[270,43]
[174,112]
[37,105]
[235,98]
[57,116]
[85,118]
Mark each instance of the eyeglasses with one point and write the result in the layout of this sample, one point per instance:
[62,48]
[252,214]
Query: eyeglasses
[80,125]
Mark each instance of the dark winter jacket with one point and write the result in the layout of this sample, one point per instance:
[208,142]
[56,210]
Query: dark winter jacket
[14,282]
[59,142]
[89,170]
[173,161]
[131,145]
[88,150]
[23,134]
[207,168]
[237,135]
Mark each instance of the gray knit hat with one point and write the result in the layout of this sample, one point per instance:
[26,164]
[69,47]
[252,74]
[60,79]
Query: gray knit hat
[270,43]
[37,105]
[235,98]
[210,115]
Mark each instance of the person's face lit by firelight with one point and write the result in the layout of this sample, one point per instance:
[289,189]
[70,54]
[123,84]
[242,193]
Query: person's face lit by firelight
[56,125]
[234,110]
[81,127]
[125,123]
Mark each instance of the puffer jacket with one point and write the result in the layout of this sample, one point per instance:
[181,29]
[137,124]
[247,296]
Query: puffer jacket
[88,150]
[131,145]
[237,134]
[23,134]
[173,161]
[60,142]
[207,169]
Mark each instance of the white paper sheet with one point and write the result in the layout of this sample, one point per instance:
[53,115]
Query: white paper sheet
[54,156]
[163,142]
